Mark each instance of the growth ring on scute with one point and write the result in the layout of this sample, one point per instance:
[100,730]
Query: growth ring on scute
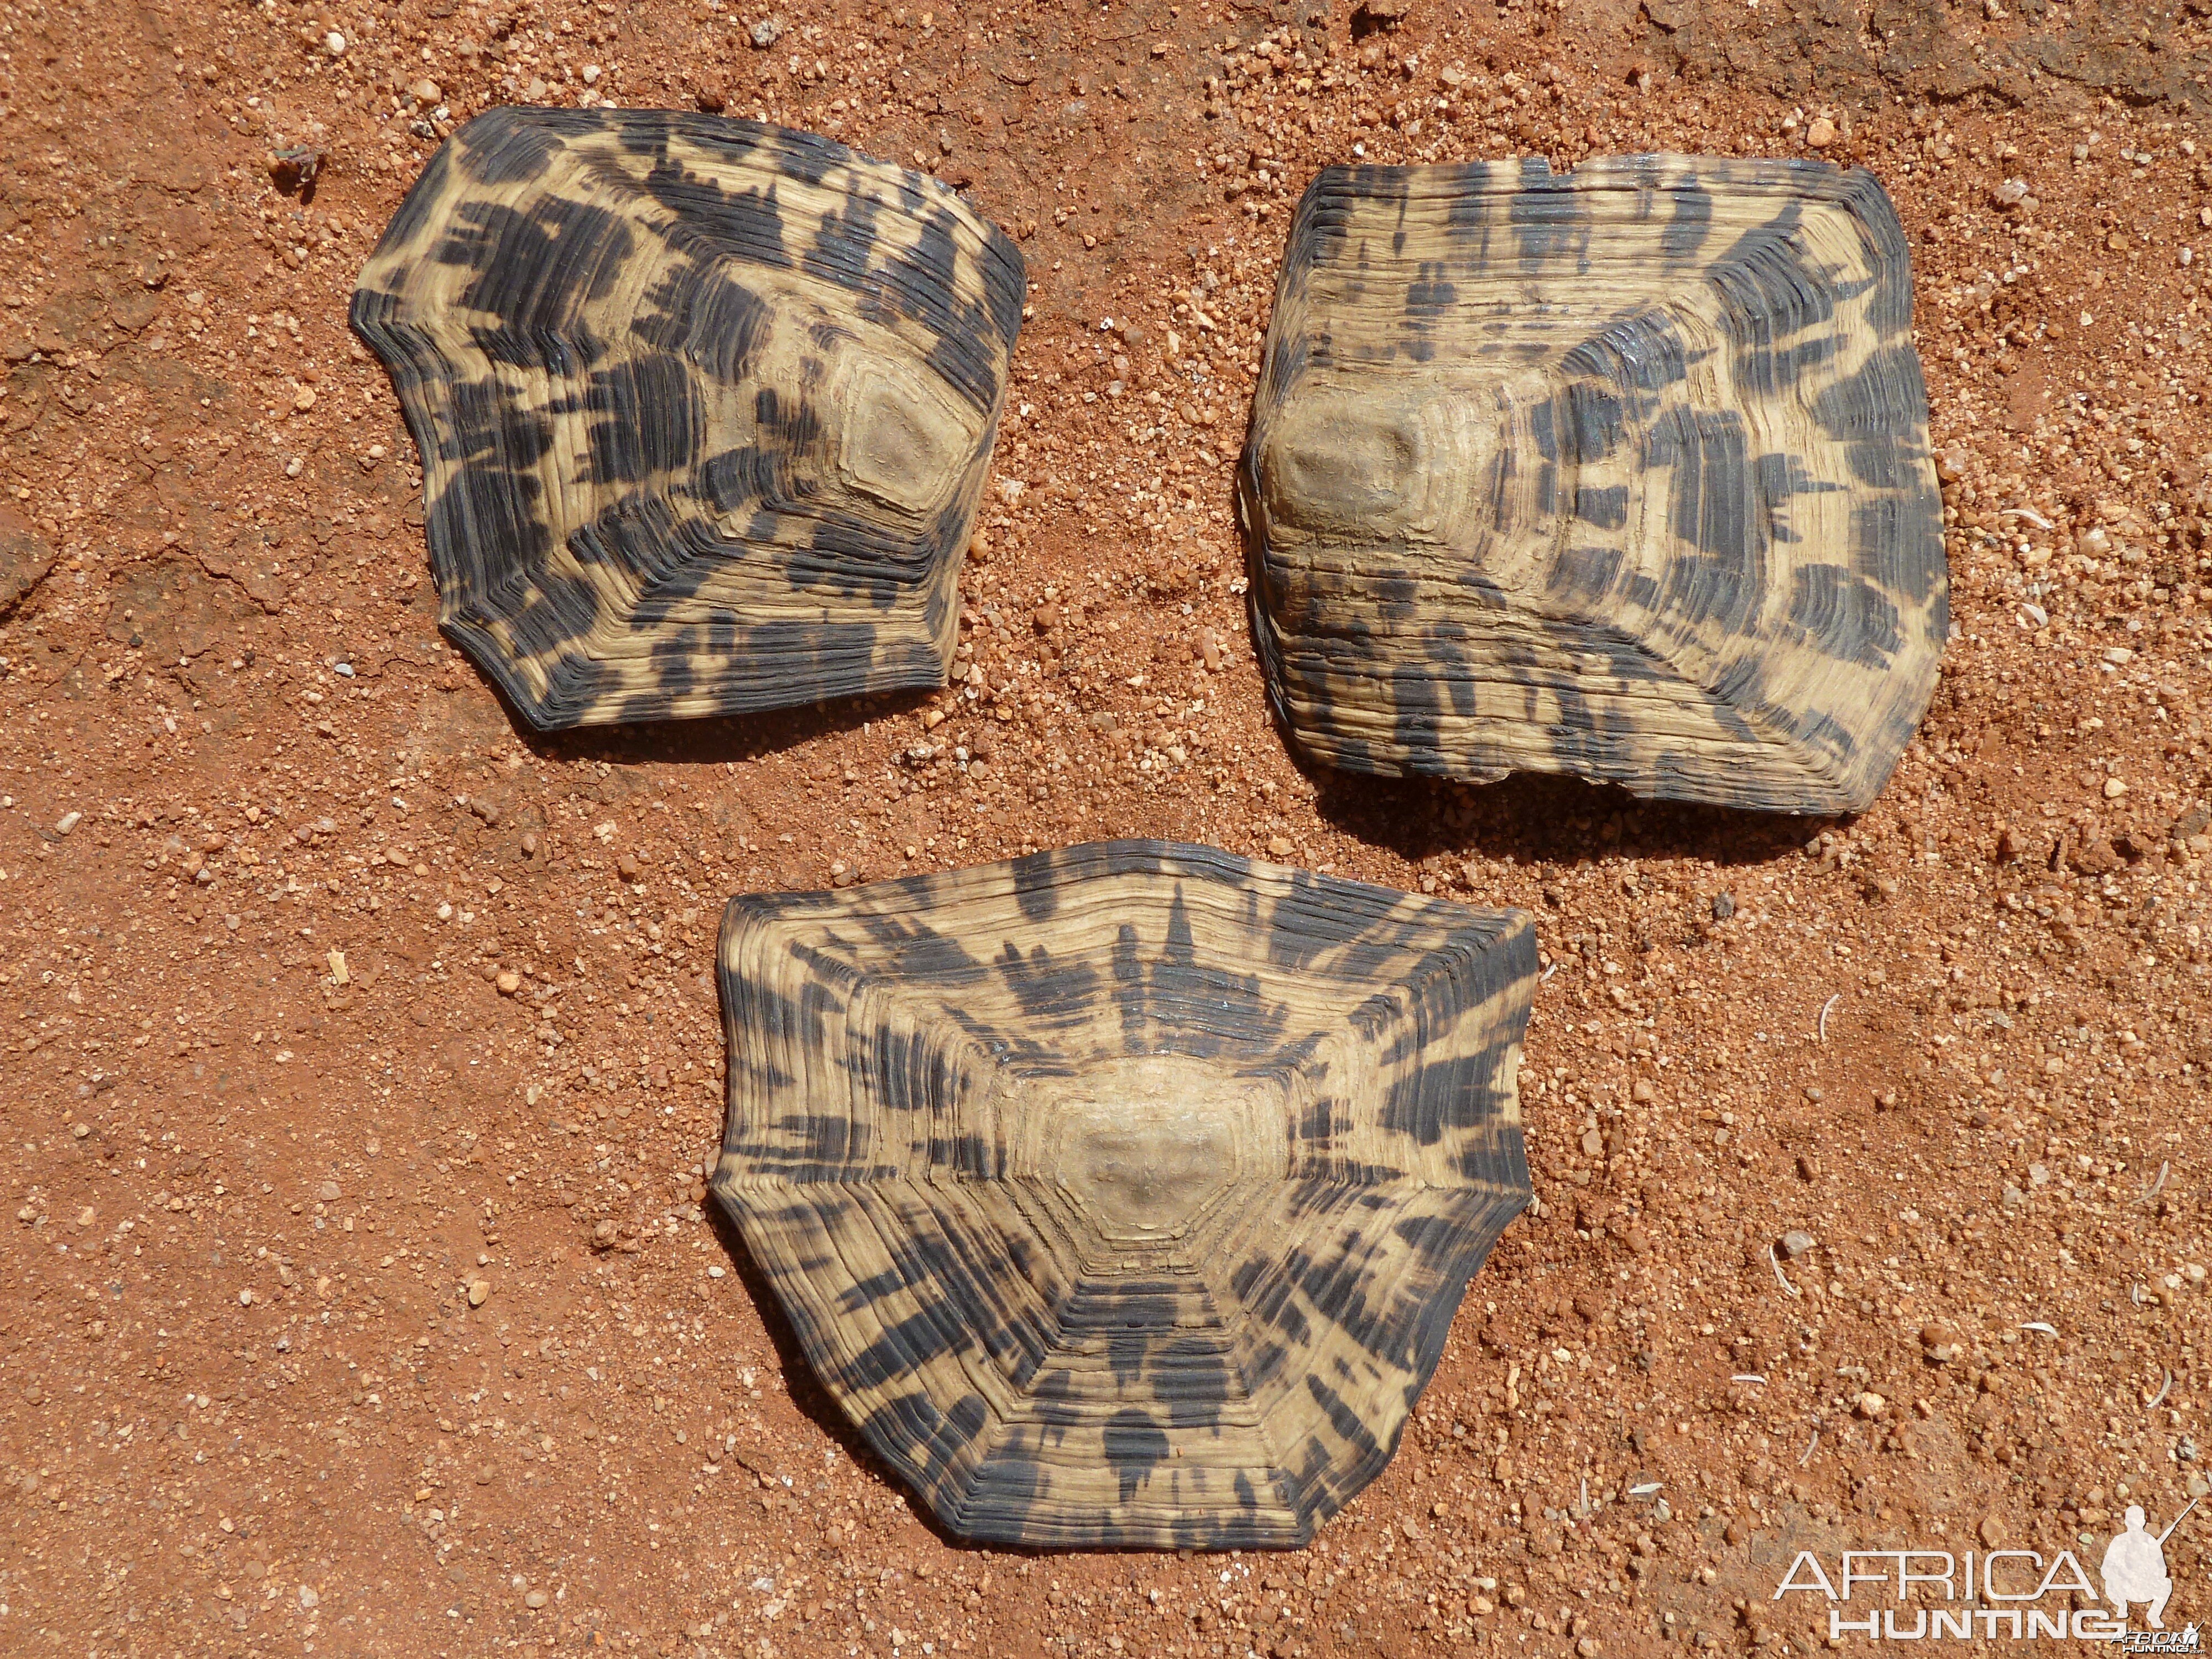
[704,406]
[1123,1195]
[1622,472]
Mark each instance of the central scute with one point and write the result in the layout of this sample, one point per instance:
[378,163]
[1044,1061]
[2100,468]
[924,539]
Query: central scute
[1146,1144]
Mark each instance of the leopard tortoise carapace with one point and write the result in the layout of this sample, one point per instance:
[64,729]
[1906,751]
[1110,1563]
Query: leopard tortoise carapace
[704,406]
[1123,1195]
[1622,472]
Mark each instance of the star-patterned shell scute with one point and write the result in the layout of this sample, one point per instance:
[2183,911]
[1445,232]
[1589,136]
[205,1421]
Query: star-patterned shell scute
[1123,1195]
[1622,473]
[704,406]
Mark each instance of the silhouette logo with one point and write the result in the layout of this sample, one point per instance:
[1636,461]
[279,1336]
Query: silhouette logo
[2135,1567]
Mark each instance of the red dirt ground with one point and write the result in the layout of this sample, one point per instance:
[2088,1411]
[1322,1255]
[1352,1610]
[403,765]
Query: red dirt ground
[248,1404]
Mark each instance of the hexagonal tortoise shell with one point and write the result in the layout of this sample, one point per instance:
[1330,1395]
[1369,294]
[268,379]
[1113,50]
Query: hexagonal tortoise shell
[1622,472]
[1123,1195]
[704,406]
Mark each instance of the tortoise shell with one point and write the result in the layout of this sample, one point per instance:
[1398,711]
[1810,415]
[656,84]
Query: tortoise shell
[1622,472]
[1123,1195]
[704,406]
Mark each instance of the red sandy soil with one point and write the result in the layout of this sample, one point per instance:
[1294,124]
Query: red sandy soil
[249,1403]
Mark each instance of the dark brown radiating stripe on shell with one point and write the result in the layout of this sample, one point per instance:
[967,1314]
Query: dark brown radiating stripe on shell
[1123,1195]
[1622,472]
[705,407]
